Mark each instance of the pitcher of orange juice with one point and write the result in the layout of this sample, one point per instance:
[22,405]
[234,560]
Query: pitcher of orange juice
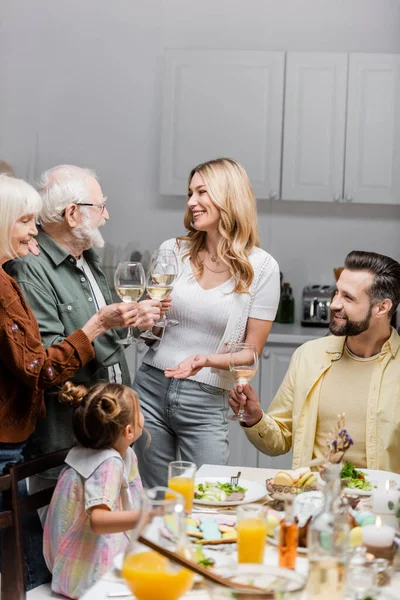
[147,573]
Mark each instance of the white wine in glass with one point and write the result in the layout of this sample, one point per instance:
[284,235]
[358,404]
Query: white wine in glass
[129,281]
[161,276]
[243,363]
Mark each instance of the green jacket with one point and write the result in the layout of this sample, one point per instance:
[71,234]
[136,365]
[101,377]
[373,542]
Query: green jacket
[60,297]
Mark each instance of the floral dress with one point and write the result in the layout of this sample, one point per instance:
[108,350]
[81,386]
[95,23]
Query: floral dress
[76,556]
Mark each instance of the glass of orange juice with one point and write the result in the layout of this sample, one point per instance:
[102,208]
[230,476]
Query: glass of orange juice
[148,573]
[251,527]
[181,476]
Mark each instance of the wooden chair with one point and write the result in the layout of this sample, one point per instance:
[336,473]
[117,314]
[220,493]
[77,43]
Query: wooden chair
[13,586]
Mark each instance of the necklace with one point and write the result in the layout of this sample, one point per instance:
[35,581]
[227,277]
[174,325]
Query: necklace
[212,270]
[213,257]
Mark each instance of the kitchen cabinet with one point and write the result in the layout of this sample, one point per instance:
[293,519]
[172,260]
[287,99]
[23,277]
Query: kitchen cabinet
[314,134]
[222,103]
[372,171]
[338,115]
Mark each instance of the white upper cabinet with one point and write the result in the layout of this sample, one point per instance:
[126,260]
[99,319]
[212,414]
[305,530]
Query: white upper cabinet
[222,103]
[314,135]
[372,172]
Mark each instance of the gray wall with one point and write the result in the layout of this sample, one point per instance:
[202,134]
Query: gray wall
[80,82]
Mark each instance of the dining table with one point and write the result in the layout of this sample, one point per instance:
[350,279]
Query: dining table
[111,585]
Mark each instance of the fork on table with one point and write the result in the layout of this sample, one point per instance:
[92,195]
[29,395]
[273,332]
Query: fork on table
[235,480]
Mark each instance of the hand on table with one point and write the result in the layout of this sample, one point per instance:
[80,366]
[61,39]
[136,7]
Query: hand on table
[188,367]
[246,396]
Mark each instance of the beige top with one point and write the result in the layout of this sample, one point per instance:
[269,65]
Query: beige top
[345,389]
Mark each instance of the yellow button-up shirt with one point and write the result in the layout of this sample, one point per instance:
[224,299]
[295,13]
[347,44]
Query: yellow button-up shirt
[291,419]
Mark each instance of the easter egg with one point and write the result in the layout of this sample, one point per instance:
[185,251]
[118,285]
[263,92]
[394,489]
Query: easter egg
[360,515]
[355,537]
[368,520]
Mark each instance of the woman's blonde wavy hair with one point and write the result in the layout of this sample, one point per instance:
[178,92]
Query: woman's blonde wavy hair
[229,187]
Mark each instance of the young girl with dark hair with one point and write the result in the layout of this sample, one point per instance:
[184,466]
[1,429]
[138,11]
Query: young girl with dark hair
[97,497]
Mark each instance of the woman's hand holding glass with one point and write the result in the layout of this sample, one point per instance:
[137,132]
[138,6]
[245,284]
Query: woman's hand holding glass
[162,273]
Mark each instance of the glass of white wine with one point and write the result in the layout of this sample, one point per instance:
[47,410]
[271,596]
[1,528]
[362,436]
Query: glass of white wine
[161,277]
[129,281]
[243,363]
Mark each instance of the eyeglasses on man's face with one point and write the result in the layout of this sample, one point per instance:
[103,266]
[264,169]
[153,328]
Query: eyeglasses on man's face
[101,205]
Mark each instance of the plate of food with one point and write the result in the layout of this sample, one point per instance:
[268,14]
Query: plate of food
[218,491]
[362,482]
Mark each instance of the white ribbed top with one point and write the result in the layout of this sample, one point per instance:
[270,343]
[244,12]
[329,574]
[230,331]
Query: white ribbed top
[203,317]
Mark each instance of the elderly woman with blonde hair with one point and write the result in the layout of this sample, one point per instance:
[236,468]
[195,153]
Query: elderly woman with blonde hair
[26,366]
[227,291]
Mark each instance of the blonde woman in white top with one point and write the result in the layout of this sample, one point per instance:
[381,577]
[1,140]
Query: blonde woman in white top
[227,291]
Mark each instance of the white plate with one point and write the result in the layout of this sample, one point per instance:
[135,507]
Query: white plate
[250,574]
[377,478]
[254,492]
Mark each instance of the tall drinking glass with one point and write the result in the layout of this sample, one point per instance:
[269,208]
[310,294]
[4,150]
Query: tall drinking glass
[251,527]
[181,477]
[129,281]
[149,574]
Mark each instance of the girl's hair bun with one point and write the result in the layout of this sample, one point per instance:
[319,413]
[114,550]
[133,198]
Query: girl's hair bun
[107,407]
[71,394]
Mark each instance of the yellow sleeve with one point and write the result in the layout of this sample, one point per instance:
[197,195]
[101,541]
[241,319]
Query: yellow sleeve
[273,434]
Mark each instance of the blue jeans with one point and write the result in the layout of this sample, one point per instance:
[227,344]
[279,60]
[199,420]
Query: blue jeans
[187,420]
[32,533]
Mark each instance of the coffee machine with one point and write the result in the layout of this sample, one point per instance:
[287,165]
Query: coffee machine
[316,305]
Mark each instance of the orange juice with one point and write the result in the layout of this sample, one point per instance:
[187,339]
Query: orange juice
[251,540]
[185,486]
[150,575]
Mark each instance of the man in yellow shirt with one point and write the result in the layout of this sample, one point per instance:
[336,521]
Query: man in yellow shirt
[356,371]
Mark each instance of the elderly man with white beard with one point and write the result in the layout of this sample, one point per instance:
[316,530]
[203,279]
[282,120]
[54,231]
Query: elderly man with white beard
[64,286]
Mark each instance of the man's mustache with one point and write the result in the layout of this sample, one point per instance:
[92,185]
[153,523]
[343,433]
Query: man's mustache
[337,313]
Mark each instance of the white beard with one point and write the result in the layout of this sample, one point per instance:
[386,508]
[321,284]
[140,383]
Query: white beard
[88,236]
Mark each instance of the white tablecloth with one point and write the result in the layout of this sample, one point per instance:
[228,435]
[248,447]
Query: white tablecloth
[111,584]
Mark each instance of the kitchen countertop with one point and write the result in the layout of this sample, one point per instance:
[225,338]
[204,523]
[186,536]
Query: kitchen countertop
[294,333]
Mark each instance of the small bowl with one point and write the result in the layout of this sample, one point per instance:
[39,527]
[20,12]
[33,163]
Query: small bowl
[274,579]
[280,492]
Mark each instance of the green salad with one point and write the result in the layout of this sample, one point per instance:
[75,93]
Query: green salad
[218,492]
[357,479]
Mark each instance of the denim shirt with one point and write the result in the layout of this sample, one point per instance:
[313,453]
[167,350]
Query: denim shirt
[61,299]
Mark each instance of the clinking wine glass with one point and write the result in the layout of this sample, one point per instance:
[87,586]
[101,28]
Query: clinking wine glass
[243,363]
[129,281]
[148,574]
[161,277]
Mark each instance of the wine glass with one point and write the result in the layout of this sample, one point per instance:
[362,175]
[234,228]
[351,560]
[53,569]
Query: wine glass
[145,571]
[129,281]
[243,363]
[161,276]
